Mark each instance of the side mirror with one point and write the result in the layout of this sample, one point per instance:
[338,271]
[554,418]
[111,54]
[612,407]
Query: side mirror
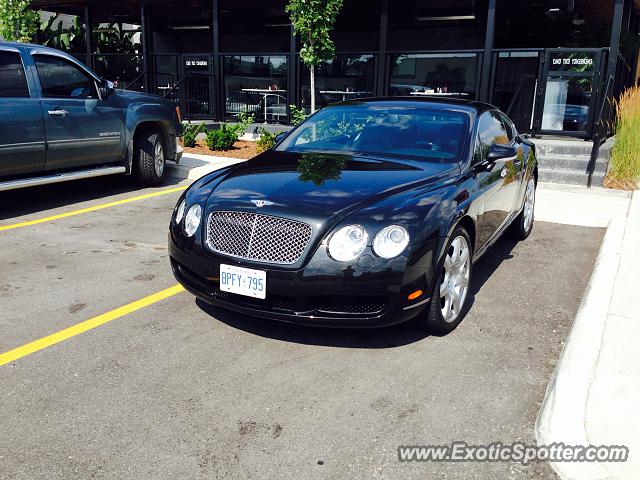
[499,152]
[281,136]
[106,89]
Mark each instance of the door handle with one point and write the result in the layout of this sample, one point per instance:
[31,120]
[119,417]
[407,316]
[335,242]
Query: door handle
[58,113]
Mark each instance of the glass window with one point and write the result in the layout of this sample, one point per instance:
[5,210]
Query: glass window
[566,103]
[178,27]
[254,26]
[345,78]
[12,80]
[256,84]
[119,68]
[61,78]
[357,27]
[514,85]
[508,126]
[417,133]
[491,130]
[551,24]
[436,24]
[452,74]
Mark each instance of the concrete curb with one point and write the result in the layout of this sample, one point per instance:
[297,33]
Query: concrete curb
[562,416]
[193,166]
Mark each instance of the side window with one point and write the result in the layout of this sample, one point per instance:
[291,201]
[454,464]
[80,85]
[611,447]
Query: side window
[478,151]
[61,78]
[491,130]
[508,126]
[13,82]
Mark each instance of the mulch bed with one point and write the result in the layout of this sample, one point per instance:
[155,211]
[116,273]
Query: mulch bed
[241,149]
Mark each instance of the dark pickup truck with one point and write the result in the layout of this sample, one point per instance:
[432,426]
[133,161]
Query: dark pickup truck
[60,121]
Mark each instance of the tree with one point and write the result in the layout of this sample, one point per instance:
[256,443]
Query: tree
[18,23]
[312,22]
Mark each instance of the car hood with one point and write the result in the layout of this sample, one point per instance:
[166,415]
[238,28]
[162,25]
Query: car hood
[319,184]
[133,96]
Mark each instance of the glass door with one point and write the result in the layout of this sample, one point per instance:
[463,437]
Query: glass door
[570,85]
[197,85]
[515,75]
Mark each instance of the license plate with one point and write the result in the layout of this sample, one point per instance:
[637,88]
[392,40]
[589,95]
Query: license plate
[243,281]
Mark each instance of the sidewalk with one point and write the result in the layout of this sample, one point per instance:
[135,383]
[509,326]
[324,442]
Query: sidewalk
[594,395]
[194,166]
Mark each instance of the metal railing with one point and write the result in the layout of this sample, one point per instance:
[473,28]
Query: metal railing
[135,84]
[524,111]
[601,127]
[194,93]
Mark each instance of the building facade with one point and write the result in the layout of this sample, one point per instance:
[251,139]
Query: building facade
[552,65]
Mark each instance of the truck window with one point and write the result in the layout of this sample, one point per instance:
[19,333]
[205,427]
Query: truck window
[13,82]
[61,78]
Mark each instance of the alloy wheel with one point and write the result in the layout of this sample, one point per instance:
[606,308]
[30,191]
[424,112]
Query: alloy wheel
[455,279]
[158,159]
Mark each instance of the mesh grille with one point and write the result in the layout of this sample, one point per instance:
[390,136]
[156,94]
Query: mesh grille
[360,308]
[257,237]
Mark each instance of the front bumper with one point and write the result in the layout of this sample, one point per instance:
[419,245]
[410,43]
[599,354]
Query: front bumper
[311,296]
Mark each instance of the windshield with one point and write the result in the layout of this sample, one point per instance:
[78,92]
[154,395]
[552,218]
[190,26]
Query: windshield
[407,132]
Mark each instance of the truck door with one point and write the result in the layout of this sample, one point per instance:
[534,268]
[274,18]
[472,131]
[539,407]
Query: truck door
[82,130]
[22,138]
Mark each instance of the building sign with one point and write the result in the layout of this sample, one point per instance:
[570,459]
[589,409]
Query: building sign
[571,62]
[198,63]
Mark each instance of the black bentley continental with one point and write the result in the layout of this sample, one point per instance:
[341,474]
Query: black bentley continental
[370,213]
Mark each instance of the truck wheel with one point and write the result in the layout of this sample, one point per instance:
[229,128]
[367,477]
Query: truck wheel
[149,158]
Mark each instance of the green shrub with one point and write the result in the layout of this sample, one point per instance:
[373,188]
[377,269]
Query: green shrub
[624,170]
[245,119]
[229,133]
[223,138]
[297,115]
[266,141]
[189,133]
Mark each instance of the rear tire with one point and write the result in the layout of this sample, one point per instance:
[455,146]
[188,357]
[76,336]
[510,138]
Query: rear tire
[451,287]
[523,224]
[149,158]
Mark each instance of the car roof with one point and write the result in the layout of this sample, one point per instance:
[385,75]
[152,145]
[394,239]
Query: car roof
[42,49]
[29,46]
[437,102]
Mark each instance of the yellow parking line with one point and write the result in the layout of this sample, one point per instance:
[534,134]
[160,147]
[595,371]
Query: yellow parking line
[92,209]
[90,324]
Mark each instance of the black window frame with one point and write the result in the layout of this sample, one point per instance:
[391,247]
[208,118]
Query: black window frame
[24,75]
[94,82]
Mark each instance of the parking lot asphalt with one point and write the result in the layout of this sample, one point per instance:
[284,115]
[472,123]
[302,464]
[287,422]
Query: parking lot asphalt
[178,389]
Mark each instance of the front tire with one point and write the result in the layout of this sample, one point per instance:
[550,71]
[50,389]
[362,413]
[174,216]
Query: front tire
[523,224]
[450,293]
[149,158]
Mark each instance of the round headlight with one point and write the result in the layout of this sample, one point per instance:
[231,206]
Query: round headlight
[192,220]
[180,211]
[348,243]
[390,241]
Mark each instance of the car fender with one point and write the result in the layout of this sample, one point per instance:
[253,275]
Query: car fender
[139,113]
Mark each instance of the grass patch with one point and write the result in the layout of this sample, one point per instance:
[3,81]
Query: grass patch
[624,168]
